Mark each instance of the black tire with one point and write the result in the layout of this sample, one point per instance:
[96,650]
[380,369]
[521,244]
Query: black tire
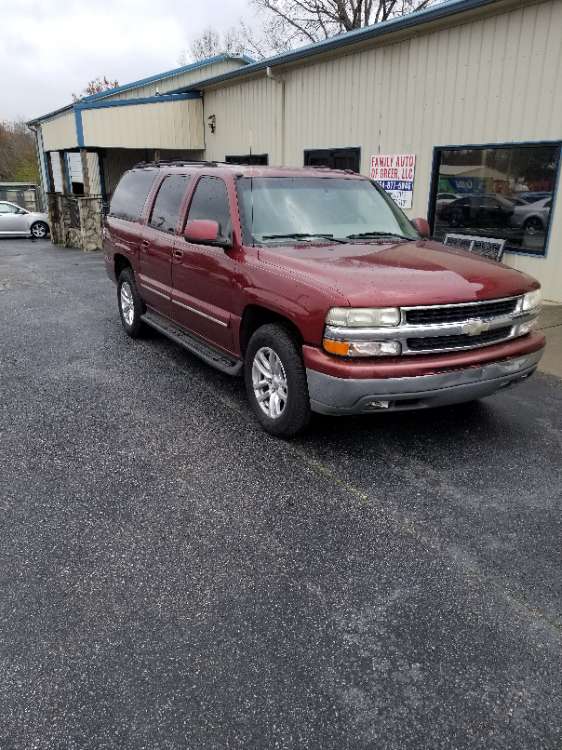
[456,219]
[130,318]
[533,226]
[39,230]
[295,413]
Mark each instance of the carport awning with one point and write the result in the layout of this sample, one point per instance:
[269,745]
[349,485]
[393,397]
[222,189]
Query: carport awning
[160,122]
[170,121]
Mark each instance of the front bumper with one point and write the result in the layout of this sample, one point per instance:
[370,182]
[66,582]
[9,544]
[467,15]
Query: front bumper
[333,395]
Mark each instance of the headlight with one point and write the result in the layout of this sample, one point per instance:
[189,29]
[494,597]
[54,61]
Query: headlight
[363,348]
[363,317]
[532,300]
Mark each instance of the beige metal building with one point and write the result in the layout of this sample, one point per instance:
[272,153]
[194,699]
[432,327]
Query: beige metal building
[468,92]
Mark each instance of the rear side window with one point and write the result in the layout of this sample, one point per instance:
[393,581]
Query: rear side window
[211,202]
[131,194]
[167,205]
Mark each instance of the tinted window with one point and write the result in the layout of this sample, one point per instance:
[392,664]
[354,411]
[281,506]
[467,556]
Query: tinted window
[247,159]
[166,208]
[5,208]
[500,180]
[211,202]
[131,193]
[334,158]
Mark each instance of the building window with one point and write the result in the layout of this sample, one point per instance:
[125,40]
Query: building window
[334,158]
[505,192]
[248,159]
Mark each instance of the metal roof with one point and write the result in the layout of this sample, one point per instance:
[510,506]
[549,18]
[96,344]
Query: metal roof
[199,64]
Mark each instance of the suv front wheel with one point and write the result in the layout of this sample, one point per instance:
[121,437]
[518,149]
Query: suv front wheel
[275,379]
[130,304]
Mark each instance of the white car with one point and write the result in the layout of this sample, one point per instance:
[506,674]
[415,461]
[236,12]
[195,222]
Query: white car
[16,221]
[533,217]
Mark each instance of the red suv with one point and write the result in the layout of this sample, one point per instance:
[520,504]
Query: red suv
[317,287]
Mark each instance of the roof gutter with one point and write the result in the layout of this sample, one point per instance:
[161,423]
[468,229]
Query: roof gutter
[48,116]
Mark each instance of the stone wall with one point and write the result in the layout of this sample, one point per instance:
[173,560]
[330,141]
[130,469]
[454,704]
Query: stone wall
[90,222]
[76,221]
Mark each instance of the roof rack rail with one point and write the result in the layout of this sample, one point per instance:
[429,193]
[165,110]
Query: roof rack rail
[178,163]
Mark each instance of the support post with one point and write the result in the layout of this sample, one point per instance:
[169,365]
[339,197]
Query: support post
[63,171]
[85,171]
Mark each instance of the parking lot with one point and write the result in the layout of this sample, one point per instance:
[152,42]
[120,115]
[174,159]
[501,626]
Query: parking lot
[172,577]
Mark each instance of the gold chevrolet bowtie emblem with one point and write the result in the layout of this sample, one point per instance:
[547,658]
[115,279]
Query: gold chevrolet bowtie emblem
[475,327]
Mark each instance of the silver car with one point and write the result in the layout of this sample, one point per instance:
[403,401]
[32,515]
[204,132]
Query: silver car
[533,217]
[16,221]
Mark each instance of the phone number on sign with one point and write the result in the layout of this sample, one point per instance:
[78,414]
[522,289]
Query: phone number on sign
[389,185]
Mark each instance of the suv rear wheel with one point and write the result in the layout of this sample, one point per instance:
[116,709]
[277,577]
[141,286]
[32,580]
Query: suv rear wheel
[131,306]
[276,381]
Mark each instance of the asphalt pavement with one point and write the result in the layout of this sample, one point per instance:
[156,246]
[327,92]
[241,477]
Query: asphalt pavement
[172,577]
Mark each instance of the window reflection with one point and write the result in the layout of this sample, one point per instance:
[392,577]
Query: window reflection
[503,192]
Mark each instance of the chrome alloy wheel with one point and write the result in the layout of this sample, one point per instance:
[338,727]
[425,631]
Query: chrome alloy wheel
[127,303]
[39,230]
[270,382]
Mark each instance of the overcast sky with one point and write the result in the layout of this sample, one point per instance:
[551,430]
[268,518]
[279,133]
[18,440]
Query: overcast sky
[52,48]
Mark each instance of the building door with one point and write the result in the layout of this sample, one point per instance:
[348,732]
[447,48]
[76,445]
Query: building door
[334,158]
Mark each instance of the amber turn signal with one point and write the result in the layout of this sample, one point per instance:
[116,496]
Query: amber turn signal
[336,347]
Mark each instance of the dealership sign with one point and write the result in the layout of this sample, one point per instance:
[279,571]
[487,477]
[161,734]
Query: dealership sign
[395,174]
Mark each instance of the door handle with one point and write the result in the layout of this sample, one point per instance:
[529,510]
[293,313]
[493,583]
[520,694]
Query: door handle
[178,254]
[145,244]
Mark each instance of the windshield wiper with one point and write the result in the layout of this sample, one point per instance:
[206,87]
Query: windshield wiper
[301,236]
[376,235]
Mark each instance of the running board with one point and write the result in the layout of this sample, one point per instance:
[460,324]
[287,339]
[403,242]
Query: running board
[207,353]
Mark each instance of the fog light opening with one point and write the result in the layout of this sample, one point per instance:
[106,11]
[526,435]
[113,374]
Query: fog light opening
[377,404]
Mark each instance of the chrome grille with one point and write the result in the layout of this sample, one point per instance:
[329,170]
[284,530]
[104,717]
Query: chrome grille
[455,313]
[434,329]
[433,343]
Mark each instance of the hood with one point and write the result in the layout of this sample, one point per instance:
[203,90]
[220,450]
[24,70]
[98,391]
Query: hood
[401,274]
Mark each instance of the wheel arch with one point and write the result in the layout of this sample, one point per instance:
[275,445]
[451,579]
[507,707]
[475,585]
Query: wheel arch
[120,262]
[256,315]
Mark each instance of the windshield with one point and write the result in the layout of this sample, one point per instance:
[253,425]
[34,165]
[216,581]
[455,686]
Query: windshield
[311,209]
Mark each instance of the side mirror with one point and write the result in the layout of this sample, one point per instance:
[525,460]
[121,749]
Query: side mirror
[201,231]
[22,211]
[422,226]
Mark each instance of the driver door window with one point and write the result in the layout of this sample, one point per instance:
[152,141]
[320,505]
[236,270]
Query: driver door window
[210,201]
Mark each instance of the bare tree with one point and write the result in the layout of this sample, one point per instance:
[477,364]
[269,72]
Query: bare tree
[96,86]
[281,25]
[211,43]
[307,21]
[18,161]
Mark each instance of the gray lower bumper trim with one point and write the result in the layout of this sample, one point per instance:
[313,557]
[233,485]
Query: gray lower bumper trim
[330,395]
